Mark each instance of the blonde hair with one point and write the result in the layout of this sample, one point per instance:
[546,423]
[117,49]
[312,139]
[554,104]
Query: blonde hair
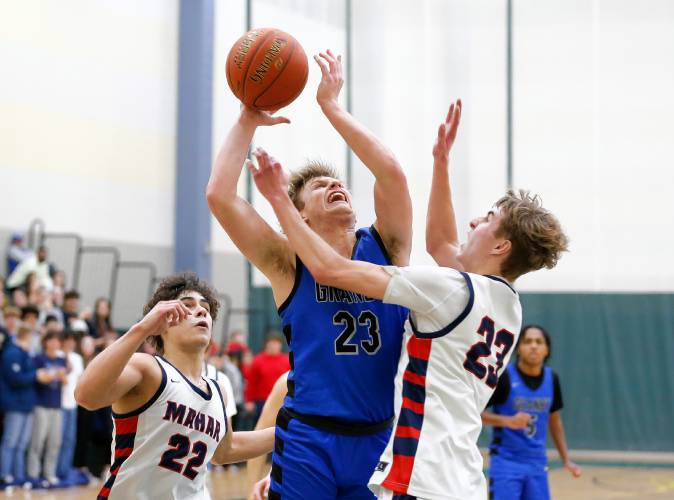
[299,179]
[536,235]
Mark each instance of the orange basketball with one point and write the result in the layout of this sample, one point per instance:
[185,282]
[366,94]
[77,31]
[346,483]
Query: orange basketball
[267,69]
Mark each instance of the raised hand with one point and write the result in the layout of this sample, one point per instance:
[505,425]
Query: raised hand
[447,133]
[261,118]
[332,78]
[261,489]
[164,315]
[270,177]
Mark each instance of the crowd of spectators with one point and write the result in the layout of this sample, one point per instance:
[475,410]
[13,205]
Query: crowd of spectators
[47,338]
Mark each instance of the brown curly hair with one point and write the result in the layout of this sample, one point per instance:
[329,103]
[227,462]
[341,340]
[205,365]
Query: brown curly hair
[299,179]
[171,288]
[536,235]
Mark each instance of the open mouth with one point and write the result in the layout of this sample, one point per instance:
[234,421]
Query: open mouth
[202,324]
[337,196]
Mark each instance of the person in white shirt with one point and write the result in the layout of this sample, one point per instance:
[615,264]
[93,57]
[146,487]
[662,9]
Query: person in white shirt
[464,316]
[75,367]
[33,264]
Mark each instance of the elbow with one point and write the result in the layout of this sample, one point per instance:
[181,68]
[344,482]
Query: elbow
[85,400]
[212,197]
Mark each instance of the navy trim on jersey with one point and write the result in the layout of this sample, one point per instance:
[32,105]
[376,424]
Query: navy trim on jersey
[355,245]
[453,324]
[222,400]
[496,278]
[296,285]
[201,393]
[380,242]
[150,401]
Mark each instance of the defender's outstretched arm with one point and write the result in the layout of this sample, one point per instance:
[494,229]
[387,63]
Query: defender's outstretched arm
[442,240]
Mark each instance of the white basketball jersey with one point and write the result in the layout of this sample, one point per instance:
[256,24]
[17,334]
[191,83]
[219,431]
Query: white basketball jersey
[445,380]
[161,450]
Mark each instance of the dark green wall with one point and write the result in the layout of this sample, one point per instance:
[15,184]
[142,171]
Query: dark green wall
[614,354]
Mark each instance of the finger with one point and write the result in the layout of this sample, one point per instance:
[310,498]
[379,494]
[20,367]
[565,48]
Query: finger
[251,167]
[332,61]
[450,113]
[441,133]
[323,65]
[186,309]
[280,119]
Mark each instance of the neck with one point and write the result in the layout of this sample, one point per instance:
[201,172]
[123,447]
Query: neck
[528,369]
[485,267]
[191,364]
[340,238]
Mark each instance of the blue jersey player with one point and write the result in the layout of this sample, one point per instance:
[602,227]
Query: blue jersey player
[526,403]
[344,347]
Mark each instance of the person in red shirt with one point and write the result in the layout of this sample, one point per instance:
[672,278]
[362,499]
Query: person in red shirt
[264,371]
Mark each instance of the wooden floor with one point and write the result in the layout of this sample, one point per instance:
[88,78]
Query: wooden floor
[597,483]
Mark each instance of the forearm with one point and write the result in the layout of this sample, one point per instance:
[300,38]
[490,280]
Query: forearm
[94,386]
[222,185]
[375,155]
[247,445]
[558,437]
[315,253]
[441,219]
[495,420]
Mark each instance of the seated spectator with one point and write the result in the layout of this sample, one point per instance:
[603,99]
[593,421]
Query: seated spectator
[59,279]
[69,406]
[34,264]
[47,308]
[47,425]
[31,287]
[100,320]
[16,253]
[71,307]
[17,386]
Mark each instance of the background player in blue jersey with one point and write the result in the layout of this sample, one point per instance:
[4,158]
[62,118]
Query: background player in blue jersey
[527,401]
[344,347]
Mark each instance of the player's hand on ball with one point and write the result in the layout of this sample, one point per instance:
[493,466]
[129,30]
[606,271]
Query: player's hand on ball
[573,468]
[261,489]
[519,421]
[332,77]
[447,132]
[270,177]
[261,118]
[164,315]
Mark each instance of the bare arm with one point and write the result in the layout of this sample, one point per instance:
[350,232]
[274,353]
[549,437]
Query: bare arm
[256,467]
[392,202]
[239,446]
[518,421]
[557,432]
[119,369]
[324,263]
[262,245]
[442,240]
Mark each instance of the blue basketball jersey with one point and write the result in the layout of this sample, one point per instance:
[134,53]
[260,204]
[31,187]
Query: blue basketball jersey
[344,347]
[528,443]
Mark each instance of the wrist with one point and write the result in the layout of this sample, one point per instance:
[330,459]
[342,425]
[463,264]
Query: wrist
[329,105]
[138,332]
[247,119]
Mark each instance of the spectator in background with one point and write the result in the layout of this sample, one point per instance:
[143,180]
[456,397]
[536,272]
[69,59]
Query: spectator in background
[17,387]
[12,319]
[58,292]
[237,345]
[29,318]
[69,406]
[265,370]
[19,298]
[47,425]
[34,264]
[31,286]
[100,320]
[71,306]
[47,308]
[16,253]
[3,297]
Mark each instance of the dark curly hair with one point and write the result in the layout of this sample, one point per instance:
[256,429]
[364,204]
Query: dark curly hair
[171,288]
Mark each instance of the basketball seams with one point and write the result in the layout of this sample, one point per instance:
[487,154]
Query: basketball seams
[271,84]
[245,69]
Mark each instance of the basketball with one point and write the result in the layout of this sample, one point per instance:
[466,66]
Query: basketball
[267,69]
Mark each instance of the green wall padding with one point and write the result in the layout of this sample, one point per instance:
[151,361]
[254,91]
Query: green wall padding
[614,354]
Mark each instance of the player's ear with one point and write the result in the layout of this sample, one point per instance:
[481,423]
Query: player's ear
[502,247]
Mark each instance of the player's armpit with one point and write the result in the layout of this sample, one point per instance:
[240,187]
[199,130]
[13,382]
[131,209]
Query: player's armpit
[393,207]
